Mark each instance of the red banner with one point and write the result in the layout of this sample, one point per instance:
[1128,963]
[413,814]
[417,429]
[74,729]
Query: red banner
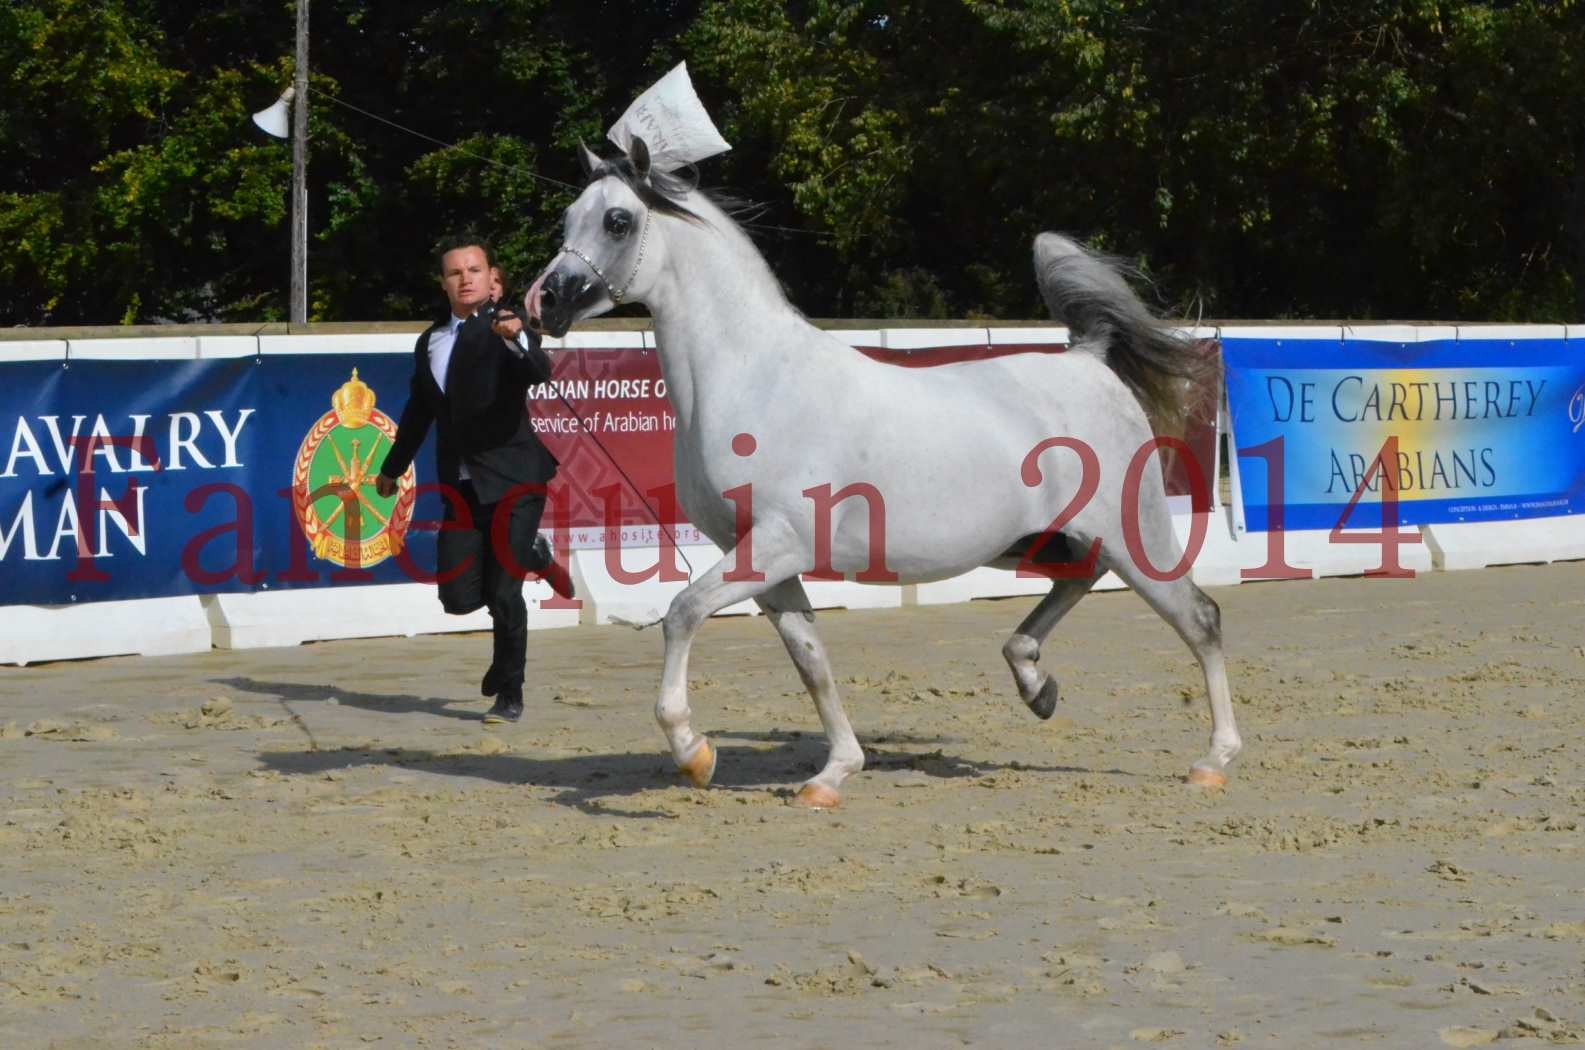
[605,417]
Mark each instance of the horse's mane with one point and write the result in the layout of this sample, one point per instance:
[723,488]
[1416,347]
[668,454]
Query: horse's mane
[665,191]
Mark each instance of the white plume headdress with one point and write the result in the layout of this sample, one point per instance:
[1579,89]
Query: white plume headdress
[672,122]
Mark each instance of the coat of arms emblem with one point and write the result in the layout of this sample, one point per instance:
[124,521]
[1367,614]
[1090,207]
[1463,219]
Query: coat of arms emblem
[333,496]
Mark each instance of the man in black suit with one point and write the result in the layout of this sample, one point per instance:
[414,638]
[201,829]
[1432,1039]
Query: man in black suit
[471,375]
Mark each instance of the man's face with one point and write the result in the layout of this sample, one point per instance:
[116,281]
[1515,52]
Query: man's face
[465,278]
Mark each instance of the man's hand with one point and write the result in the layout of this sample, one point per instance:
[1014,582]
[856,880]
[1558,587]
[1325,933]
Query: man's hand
[506,324]
[385,486]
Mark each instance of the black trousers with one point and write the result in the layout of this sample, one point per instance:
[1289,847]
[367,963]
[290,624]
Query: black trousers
[482,562]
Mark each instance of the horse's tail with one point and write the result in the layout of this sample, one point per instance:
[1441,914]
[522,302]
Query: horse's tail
[1087,292]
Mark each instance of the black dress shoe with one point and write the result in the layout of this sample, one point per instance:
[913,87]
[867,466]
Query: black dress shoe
[551,571]
[491,683]
[506,709]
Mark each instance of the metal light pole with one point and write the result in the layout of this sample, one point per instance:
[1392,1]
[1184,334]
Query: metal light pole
[300,172]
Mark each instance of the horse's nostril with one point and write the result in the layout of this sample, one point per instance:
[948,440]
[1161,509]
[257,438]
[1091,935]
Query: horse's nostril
[547,298]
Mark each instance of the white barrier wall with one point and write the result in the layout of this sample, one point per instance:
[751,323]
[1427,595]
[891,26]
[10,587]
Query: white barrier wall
[186,624]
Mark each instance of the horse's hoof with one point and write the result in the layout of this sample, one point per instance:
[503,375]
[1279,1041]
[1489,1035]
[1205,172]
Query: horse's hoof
[1201,776]
[817,796]
[700,769]
[1045,702]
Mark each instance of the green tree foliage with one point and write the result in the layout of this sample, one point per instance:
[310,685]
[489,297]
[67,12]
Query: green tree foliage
[1357,158]
[1360,159]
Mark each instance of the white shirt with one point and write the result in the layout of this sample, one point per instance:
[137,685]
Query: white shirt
[441,340]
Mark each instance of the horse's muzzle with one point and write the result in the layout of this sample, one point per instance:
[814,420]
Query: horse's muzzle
[559,298]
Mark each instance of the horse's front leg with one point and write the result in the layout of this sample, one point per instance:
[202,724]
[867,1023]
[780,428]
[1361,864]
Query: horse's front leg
[788,608]
[726,582]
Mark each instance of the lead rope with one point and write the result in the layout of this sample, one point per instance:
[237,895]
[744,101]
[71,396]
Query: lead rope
[631,484]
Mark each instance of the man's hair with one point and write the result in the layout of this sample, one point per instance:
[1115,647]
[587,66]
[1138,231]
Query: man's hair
[449,244]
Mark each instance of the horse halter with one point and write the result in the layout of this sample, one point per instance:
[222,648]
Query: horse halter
[616,294]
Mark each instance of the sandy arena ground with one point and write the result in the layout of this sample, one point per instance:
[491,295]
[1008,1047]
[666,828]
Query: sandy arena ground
[323,846]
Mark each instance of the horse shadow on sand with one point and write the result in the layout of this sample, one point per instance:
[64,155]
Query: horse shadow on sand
[750,761]
[592,782]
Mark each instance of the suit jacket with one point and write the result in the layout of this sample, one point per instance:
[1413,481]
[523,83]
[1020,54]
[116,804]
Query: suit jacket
[481,418]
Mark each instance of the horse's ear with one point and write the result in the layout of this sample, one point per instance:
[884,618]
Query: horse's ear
[588,158]
[638,153]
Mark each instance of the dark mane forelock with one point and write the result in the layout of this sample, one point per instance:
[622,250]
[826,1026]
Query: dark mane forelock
[663,191]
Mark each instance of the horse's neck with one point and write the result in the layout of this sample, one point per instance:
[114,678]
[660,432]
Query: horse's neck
[719,313]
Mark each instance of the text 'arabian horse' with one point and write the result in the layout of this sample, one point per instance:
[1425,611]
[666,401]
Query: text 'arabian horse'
[774,414]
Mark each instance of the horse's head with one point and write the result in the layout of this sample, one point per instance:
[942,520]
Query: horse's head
[610,254]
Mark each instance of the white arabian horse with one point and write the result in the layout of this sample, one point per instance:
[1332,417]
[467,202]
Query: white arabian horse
[951,467]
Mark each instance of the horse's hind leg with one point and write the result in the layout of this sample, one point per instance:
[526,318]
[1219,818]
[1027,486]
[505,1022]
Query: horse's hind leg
[1022,650]
[1198,621]
[788,609]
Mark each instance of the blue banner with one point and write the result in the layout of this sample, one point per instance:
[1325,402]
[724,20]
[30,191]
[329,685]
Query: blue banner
[1476,430]
[134,479]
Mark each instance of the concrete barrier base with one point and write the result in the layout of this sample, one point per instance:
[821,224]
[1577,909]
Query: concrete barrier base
[271,618]
[1508,543]
[147,627]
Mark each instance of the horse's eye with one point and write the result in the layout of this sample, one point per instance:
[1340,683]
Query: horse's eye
[617,222]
